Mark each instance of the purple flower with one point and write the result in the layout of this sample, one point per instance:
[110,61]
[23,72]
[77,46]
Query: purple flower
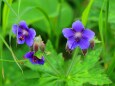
[33,59]
[23,33]
[78,36]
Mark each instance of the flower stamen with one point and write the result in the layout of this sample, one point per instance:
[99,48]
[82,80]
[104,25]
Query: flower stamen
[78,35]
[25,32]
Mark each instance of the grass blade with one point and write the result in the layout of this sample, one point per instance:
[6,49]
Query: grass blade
[19,2]
[13,55]
[86,13]
[1,65]
[103,26]
[12,60]
[6,14]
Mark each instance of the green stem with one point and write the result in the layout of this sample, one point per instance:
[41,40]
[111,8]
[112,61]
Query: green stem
[12,60]
[72,62]
[111,67]
[57,42]
[1,66]
[0,12]
[102,29]
[1,47]
[19,2]
[106,29]
[58,21]
[0,50]
[106,18]
[10,7]
[18,19]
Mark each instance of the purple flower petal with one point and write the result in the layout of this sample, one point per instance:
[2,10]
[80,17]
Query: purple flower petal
[77,26]
[36,60]
[67,32]
[88,34]
[33,60]
[41,61]
[32,32]
[29,40]
[72,43]
[14,28]
[84,43]
[20,41]
[23,25]
[20,38]
[29,55]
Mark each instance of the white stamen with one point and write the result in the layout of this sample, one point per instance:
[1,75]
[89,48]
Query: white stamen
[25,32]
[78,35]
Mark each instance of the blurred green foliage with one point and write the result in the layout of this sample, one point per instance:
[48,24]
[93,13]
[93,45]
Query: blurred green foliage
[48,18]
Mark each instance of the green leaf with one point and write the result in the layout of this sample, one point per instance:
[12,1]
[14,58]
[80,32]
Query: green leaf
[86,13]
[66,14]
[98,77]
[47,80]
[101,24]
[54,71]
[75,71]
[10,49]
[5,14]
[88,71]
[56,59]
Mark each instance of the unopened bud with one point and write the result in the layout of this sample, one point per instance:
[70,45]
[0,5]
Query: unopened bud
[67,49]
[38,44]
[35,46]
[84,51]
[42,46]
[92,44]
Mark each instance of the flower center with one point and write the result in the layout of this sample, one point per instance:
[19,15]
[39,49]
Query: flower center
[25,32]
[78,35]
[21,38]
[35,59]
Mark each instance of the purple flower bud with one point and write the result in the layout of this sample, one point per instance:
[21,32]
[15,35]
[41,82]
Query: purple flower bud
[78,36]
[23,33]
